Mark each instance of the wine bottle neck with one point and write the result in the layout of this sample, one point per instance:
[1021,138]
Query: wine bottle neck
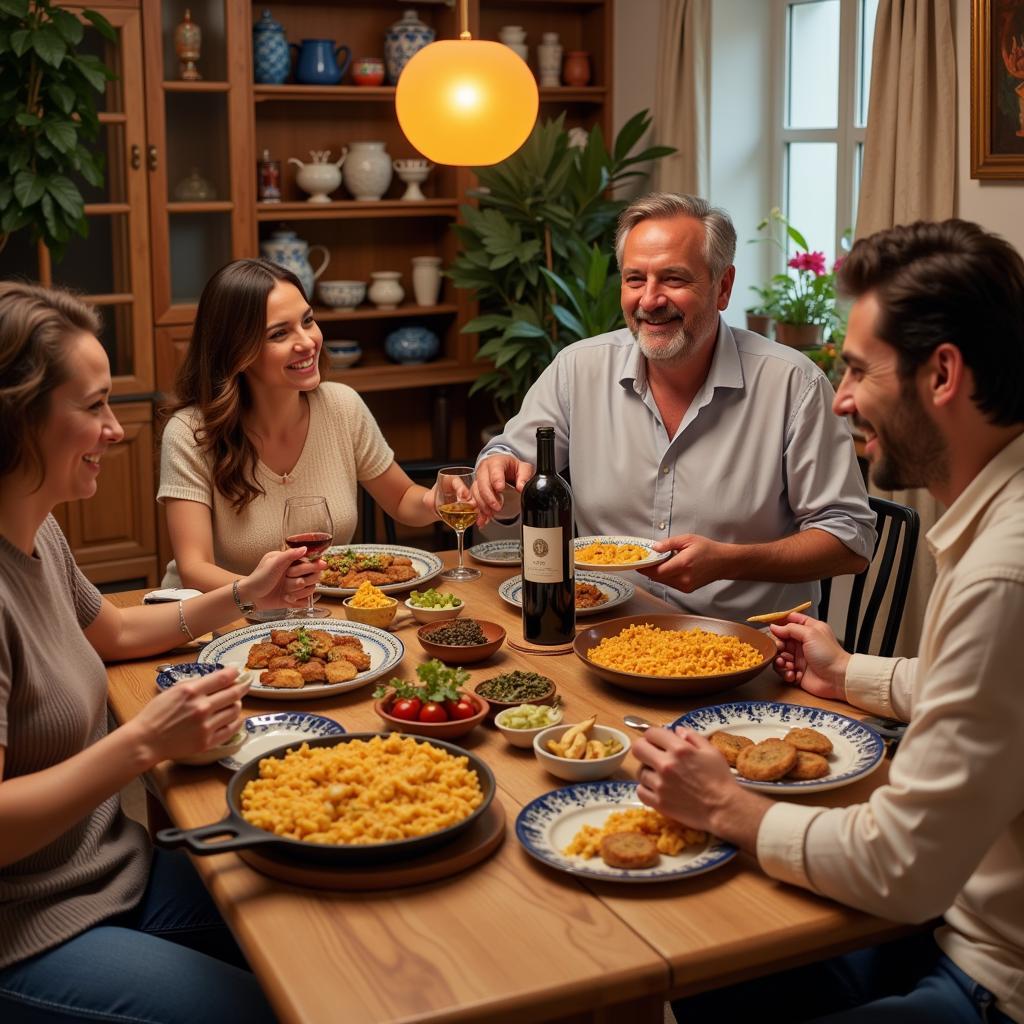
[546,455]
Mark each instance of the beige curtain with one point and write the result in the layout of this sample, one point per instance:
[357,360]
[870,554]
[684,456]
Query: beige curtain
[682,96]
[910,174]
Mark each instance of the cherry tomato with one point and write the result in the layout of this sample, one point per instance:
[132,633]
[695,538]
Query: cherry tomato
[461,708]
[407,708]
[432,712]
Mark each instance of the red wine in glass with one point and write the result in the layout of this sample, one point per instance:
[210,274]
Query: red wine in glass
[314,542]
[308,524]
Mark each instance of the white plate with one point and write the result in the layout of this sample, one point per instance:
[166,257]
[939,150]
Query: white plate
[385,651]
[427,564]
[497,552]
[546,826]
[653,557]
[618,591]
[265,732]
[856,748]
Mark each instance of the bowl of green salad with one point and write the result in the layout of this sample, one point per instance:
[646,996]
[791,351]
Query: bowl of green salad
[434,605]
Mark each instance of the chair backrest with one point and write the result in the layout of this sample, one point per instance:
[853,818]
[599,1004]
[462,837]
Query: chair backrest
[897,528]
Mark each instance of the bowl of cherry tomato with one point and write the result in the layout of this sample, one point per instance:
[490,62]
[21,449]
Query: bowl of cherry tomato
[440,707]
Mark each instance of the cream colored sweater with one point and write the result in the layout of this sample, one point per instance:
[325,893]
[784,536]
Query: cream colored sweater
[344,445]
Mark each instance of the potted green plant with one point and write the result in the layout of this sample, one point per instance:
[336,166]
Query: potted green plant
[537,249]
[762,313]
[48,117]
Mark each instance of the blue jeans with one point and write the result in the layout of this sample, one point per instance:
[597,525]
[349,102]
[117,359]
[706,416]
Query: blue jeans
[909,981]
[171,960]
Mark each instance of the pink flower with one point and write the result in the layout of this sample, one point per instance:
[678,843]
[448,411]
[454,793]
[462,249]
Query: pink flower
[840,260]
[813,261]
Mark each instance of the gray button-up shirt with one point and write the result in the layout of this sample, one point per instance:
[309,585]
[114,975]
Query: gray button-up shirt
[758,456]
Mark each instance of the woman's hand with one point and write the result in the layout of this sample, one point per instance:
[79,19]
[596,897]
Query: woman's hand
[281,578]
[810,656]
[190,717]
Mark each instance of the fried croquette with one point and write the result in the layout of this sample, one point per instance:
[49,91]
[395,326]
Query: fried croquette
[359,659]
[285,661]
[260,655]
[312,671]
[340,671]
[283,637]
[283,678]
[810,740]
[808,766]
[766,761]
[729,745]
[629,850]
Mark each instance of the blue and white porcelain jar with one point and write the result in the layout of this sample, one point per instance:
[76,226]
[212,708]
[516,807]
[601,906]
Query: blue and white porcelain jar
[412,345]
[271,58]
[403,40]
[287,250]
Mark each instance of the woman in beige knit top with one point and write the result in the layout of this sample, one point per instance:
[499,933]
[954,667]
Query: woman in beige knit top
[252,425]
[93,923]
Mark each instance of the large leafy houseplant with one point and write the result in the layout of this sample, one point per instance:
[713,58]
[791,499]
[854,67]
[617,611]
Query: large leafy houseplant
[47,118]
[537,249]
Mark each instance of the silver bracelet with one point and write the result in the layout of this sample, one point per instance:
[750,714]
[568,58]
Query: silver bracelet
[182,624]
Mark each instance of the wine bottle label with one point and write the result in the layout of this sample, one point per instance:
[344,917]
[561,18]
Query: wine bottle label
[542,555]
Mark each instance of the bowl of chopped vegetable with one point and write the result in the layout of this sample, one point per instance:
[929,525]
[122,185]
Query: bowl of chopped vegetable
[461,641]
[519,724]
[511,689]
[439,707]
[434,606]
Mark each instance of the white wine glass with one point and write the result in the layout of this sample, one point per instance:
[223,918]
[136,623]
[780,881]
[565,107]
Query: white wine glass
[453,499]
[308,524]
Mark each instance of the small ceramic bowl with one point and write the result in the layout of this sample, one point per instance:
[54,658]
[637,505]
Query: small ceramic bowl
[341,354]
[524,737]
[497,706]
[379,617]
[429,615]
[341,294]
[214,754]
[453,654]
[438,730]
[580,771]
[186,670]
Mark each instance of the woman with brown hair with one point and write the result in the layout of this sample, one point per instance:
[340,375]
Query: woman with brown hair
[253,425]
[93,923]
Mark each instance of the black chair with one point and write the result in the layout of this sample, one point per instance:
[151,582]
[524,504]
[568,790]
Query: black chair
[420,471]
[897,528]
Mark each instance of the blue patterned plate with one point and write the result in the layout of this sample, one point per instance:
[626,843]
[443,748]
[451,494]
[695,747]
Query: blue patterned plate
[856,748]
[265,732]
[547,825]
[385,651]
[618,591]
[183,670]
[653,557]
[426,564]
[497,552]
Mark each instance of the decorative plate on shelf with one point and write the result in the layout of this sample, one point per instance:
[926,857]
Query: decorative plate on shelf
[618,591]
[384,649]
[265,732]
[857,749]
[425,564]
[497,552]
[547,825]
[651,557]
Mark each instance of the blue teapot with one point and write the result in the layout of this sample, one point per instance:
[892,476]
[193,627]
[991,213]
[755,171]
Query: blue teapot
[271,60]
[287,250]
[317,62]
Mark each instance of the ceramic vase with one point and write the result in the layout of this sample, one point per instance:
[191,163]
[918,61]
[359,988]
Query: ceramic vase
[386,292]
[368,71]
[271,59]
[287,250]
[412,345]
[319,62]
[426,279]
[194,188]
[413,172]
[403,41]
[549,60]
[367,170]
[514,37]
[320,176]
[576,71]
[188,37]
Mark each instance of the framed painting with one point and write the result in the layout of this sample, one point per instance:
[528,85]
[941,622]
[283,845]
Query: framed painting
[997,89]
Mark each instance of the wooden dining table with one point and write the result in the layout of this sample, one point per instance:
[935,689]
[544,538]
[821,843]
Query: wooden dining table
[509,938]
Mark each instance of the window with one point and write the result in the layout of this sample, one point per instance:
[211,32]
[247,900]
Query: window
[822,104]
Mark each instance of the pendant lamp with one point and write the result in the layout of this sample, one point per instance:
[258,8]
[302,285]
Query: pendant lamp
[466,101]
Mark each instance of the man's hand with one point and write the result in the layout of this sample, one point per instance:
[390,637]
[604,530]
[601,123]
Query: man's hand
[697,562]
[809,656]
[493,475]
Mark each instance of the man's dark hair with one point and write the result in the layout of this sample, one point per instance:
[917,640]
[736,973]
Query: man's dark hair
[948,281]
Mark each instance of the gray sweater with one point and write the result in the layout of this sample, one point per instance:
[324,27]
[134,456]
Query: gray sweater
[53,690]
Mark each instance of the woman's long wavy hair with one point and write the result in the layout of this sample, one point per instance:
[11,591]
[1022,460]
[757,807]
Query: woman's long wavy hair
[227,337]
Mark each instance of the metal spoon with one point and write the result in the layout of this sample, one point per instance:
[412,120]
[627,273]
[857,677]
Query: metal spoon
[638,723]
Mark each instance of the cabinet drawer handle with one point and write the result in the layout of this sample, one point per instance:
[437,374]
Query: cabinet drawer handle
[151,153]
[136,156]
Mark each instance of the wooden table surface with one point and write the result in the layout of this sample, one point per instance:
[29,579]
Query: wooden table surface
[509,939]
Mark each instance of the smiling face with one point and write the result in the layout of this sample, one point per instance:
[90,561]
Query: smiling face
[902,443]
[669,299]
[80,426]
[292,343]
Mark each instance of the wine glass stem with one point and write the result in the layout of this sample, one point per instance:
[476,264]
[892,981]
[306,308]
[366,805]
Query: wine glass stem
[459,534]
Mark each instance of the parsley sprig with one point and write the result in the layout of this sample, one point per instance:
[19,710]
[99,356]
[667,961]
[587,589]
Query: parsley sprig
[439,683]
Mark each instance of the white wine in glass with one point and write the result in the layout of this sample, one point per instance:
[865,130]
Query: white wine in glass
[308,524]
[454,503]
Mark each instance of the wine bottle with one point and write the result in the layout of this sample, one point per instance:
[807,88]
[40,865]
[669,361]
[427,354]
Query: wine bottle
[549,589]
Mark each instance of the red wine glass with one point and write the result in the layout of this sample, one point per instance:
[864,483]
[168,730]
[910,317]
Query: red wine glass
[308,524]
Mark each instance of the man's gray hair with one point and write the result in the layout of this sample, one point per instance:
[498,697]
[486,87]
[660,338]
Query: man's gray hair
[719,234]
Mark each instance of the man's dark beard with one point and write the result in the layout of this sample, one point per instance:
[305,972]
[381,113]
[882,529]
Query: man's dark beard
[911,451]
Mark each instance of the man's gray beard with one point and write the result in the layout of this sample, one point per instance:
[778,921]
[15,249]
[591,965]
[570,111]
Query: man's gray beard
[679,347]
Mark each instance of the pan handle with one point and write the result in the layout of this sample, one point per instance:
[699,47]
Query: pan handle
[200,840]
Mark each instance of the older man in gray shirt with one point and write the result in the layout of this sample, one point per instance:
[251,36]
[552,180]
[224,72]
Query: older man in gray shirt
[717,443]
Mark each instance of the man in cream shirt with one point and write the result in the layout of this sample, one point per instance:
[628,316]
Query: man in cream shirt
[935,359]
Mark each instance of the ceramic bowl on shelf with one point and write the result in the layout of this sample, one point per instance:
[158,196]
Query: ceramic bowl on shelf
[575,770]
[412,344]
[342,354]
[341,294]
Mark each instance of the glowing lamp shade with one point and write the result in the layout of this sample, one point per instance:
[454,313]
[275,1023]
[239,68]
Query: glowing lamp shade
[468,102]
